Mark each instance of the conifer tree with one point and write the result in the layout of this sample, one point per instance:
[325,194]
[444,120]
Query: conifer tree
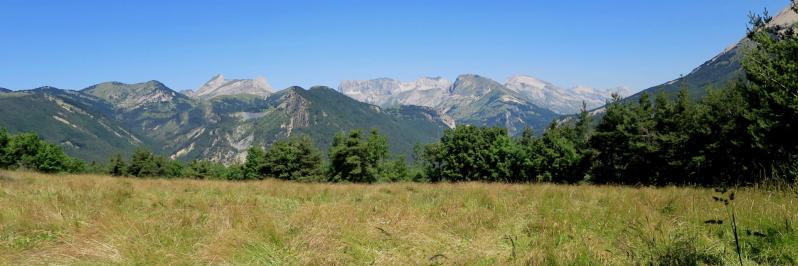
[295,158]
[255,166]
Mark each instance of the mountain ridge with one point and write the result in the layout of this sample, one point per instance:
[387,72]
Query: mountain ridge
[114,117]
[718,71]
[219,86]
[438,92]
[470,99]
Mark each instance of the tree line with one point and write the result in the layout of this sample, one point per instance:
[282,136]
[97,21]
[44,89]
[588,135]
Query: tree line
[28,151]
[354,156]
[742,133]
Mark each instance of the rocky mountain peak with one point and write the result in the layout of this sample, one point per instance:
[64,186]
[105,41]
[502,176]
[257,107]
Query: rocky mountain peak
[528,81]
[442,94]
[217,77]
[531,86]
[427,83]
[219,86]
[472,85]
[558,99]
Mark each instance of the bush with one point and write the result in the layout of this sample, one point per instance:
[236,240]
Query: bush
[672,244]
[28,151]
[394,170]
[144,163]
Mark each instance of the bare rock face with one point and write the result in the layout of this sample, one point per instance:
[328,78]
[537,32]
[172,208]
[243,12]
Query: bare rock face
[219,86]
[787,17]
[295,109]
[385,92]
[374,91]
[444,95]
[558,99]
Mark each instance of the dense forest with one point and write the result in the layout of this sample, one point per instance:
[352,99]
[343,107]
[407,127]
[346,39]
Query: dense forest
[742,133]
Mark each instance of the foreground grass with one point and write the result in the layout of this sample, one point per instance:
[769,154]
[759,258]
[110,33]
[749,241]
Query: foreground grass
[80,219]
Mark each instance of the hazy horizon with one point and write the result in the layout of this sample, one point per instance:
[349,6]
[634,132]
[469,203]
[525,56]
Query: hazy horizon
[77,44]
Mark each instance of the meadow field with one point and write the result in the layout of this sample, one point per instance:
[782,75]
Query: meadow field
[87,219]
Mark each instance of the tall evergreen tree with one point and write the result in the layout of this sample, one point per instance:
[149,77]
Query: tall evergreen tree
[469,153]
[556,157]
[118,166]
[143,164]
[610,142]
[355,158]
[5,158]
[295,158]
[720,144]
[255,165]
[771,69]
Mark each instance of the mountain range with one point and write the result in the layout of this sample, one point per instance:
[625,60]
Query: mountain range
[220,120]
[440,93]
[112,117]
[224,117]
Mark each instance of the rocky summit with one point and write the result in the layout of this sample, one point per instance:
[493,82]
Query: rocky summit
[442,94]
[219,86]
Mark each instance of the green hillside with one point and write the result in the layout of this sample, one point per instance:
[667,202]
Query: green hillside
[319,113]
[331,112]
[112,117]
[73,120]
[715,73]
[719,71]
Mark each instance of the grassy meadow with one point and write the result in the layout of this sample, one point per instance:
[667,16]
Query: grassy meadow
[86,219]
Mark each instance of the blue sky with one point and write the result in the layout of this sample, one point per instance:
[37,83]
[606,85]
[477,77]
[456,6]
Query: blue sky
[74,44]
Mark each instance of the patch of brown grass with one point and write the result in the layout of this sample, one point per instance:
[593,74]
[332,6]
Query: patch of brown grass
[70,219]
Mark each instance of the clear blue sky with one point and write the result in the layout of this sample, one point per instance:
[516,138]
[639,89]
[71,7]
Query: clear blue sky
[74,44]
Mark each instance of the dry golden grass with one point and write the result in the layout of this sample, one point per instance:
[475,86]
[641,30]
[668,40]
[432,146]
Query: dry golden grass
[85,219]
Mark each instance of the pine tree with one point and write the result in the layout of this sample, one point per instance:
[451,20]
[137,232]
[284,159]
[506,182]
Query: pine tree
[355,158]
[255,166]
[295,158]
[118,166]
[5,158]
[557,158]
[469,153]
[771,69]
[611,144]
